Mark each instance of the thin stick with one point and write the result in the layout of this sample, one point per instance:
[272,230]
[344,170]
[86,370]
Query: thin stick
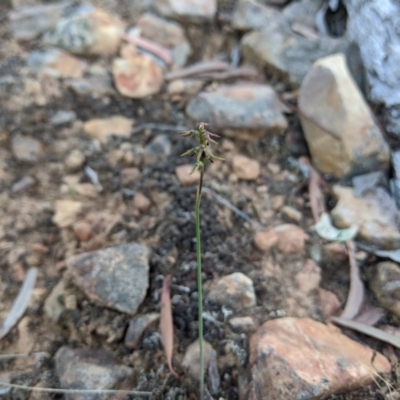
[200,283]
[84,391]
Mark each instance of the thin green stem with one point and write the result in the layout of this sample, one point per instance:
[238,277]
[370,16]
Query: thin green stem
[200,284]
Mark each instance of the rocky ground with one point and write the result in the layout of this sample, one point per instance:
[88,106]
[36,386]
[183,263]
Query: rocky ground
[300,223]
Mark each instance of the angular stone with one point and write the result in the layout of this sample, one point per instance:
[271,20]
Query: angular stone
[66,212]
[279,49]
[117,277]
[288,238]
[56,63]
[136,328]
[88,31]
[245,111]
[26,148]
[375,213]
[104,129]
[340,130]
[185,177]
[385,283]
[137,77]
[30,21]
[88,369]
[235,290]
[187,10]
[245,168]
[166,33]
[301,358]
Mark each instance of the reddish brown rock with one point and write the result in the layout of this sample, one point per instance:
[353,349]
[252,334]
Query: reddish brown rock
[292,358]
[329,303]
[137,76]
[83,230]
[287,238]
[141,202]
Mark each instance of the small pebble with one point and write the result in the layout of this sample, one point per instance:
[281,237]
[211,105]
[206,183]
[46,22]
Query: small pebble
[141,202]
[185,178]
[292,213]
[74,160]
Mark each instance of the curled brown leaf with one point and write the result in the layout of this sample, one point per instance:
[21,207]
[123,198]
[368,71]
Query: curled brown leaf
[166,324]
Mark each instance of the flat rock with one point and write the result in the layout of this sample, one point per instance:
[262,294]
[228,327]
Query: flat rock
[62,117]
[235,290]
[169,34]
[287,238]
[26,148]
[375,213]
[57,63]
[244,111]
[88,31]
[252,16]
[66,212]
[103,129]
[278,48]
[242,324]
[185,177]
[245,168]
[117,277]
[88,369]
[301,358]
[29,22]
[136,328]
[340,130]
[191,359]
[187,10]
[385,285]
[137,76]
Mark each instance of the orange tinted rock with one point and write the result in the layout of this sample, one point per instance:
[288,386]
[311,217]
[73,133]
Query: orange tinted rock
[309,277]
[265,240]
[329,303]
[290,356]
[103,129]
[141,202]
[245,168]
[83,230]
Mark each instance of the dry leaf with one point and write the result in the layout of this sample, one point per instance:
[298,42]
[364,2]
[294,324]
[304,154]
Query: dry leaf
[21,302]
[166,325]
[355,299]
[368,330]
[317,198]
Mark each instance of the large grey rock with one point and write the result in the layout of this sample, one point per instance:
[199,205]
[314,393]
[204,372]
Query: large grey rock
[342,135]
[373,25]
[279,49]
[117,277]
[245,111]
[88,369]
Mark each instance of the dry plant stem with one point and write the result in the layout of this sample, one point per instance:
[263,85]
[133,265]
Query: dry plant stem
[200,283]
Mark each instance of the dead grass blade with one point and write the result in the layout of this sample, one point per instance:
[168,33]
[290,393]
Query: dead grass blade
[368,330]
[20,303]
[166,325]
[355,299]
[317,198]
